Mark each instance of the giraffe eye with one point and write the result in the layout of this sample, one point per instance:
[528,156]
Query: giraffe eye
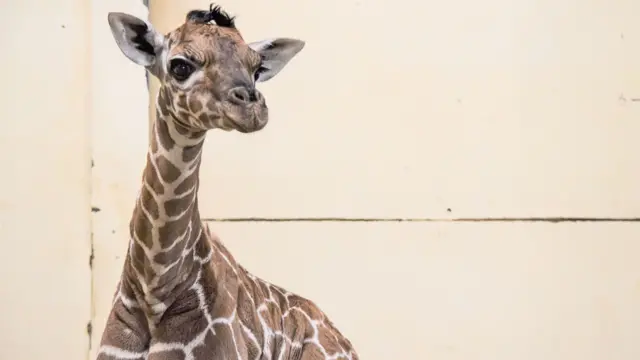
[181,69]
[259,72]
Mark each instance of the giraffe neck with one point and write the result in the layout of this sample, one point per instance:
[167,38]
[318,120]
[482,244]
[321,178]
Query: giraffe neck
[165,226]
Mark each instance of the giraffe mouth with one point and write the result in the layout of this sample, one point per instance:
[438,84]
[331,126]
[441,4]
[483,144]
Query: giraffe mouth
[252,127]
[251,122]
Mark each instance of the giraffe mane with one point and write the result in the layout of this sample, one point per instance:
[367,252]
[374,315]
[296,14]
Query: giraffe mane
[215,14]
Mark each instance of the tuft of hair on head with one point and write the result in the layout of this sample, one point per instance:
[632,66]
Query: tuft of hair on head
[215,14]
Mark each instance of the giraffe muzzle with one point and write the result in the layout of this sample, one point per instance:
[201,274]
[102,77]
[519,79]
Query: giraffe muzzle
[248,110]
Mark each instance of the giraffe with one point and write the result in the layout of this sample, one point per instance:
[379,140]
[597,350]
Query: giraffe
[181,294]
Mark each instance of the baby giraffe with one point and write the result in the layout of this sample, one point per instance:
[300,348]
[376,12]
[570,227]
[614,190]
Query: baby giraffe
[181,294]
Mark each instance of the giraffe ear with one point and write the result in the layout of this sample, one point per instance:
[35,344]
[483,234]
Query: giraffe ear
[137,40]
[275,53]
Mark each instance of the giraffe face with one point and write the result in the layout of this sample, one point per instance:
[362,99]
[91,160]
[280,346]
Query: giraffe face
[208,74]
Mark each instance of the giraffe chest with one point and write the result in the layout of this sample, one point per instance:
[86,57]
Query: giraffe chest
[222,320]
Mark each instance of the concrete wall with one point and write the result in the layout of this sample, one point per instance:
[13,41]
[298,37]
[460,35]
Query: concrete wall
[45,279]
[423,111]
[69,101]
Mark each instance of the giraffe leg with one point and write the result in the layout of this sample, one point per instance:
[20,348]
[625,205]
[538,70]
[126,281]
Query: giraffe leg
[125,336]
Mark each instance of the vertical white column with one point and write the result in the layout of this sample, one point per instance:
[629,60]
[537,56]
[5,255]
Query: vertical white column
[119,122]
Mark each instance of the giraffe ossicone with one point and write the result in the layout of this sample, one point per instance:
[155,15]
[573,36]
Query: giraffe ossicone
[182,295]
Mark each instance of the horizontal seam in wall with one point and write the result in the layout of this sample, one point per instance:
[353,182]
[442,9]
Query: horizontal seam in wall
[489,219]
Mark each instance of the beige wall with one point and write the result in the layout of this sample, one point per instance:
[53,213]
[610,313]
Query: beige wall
[490,109]
[439,111]
[69,101]
[45,279]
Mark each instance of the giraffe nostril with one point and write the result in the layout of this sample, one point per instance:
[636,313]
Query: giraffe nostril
[242,95]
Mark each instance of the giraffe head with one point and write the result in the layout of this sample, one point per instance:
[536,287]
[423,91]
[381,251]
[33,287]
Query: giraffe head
[207,72]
